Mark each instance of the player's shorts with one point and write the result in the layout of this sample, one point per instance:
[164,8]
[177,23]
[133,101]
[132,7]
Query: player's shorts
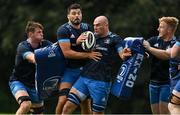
[159,93]
[175,80]
[97,90]
[17,85]
[71,75]
[177,87]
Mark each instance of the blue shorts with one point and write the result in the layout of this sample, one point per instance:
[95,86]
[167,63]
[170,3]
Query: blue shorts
[71,75]
[97,90]
[159,93]
[175,80]
[177,87]
[17,85]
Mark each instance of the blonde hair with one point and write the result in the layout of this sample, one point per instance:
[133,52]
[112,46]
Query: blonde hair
[31,26]
[172,22]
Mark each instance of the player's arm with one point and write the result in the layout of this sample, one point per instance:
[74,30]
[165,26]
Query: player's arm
[159,53]
[25,52]
[81,39]
[65,45]
[29,56]
[124,53]
[69,53]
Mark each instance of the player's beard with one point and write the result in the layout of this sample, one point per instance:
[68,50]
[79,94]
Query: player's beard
[76,22]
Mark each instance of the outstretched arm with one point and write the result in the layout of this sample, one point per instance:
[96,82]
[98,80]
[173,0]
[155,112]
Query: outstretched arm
[159,53]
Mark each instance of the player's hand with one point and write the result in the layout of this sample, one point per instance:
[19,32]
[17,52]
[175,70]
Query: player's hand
[95,55]
[146,45]
[126,52]
[81,38]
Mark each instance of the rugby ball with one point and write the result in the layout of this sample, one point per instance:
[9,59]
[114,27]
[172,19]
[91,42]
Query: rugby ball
[90,42]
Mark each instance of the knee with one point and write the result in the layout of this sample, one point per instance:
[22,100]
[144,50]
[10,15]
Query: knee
[24,102]
[63,96]
[66,107]
[173,109]
[26,105]
[69,107]
[62,100]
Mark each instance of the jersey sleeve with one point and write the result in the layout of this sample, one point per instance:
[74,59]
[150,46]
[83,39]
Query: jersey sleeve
[23,50]
[63,35]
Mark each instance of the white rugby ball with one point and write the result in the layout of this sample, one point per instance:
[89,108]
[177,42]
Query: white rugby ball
[90,42]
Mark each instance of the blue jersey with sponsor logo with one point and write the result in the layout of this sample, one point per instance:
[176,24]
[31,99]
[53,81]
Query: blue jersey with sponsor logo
[160,68]
[109,47]
[66,33]
[24,71]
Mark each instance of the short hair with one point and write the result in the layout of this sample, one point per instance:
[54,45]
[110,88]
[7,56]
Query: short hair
[73,6]
[32,25]
[171,21]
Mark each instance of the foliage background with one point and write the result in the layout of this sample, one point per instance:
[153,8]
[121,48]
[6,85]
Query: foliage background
[127,18]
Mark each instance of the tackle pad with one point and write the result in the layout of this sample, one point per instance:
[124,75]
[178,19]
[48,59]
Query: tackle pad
[50,65]
[123,85]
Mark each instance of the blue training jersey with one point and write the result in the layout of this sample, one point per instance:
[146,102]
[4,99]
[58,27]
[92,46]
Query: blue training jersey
[66,33]
[24,71]
[160,68]
[109,47]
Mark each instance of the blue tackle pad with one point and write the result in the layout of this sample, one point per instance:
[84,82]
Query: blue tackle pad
[123,85]
[50,66]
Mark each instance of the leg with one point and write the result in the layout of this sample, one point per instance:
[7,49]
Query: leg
[78,94]
[164,99]
[69,78]
[174,105]
[72,103]
[174,109]
[155,108]
[37,106]
[60,104]
[163,108]
[21,95]
[69,107]
[64,88]
[86,106]
[24,101]
[99,92]
[154,98]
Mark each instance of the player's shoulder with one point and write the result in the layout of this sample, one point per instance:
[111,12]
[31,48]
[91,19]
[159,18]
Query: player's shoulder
[63,27]
[154,40]
[23,43]
[114,36]
[46,42]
